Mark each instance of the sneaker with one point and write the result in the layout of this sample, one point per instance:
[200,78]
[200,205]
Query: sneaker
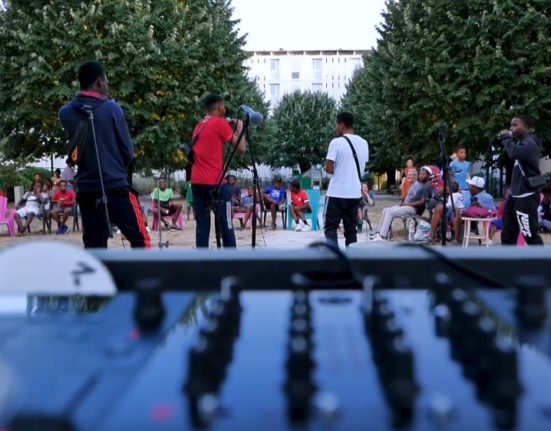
[298,226]
[306,228]
[64,229]
[273,226]
[372,234]
[377,238]
[175,227]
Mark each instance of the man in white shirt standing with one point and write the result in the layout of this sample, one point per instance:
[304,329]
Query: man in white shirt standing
[346,160]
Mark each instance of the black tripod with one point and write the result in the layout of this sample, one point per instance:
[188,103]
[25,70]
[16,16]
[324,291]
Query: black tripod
[442,132]
[215,194]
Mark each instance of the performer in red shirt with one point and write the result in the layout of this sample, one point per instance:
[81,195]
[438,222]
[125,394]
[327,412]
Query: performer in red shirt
[210,135]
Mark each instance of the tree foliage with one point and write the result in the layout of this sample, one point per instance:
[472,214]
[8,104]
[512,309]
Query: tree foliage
[302,126]
[161,58]
[472,64]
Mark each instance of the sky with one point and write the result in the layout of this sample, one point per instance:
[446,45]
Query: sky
[309,24]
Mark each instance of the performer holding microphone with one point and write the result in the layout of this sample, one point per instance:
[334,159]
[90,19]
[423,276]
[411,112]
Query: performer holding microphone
[521,210]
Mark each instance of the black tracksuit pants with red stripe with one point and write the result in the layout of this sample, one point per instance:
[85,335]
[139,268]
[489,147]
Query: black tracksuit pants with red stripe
[124,211]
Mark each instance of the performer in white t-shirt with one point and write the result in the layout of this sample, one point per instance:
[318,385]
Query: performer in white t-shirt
[346,160]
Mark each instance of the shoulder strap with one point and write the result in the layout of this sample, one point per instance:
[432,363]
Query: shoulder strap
[355,157]
[196,137]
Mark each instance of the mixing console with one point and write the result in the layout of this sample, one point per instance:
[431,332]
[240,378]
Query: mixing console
[341,344]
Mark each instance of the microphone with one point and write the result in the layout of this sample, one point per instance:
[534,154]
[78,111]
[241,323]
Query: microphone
[255,118]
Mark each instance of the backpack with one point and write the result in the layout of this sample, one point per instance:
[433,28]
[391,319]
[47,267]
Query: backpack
[419,230]
[77,144]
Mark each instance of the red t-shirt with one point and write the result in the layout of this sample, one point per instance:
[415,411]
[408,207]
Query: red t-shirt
[208,150]
[66,199]
[299,198]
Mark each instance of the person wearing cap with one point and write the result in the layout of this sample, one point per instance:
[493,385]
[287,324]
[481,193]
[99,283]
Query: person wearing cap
[413,204]
[479,204]
[274,196]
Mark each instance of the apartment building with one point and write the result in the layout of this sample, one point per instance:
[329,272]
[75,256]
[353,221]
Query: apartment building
[282,72]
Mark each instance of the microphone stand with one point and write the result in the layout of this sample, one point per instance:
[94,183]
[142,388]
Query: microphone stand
[256,185]
[215,193]
[442,131]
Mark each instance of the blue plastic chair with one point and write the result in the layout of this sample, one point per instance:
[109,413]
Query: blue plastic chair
[314,201]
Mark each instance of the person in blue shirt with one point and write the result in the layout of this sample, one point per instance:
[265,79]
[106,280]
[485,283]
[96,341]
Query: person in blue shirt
[461,171]
[275,196]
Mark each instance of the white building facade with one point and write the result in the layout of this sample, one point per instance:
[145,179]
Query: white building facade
[281,72]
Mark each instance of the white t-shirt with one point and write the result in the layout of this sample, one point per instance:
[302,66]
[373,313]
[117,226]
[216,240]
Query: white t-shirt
[458,200]
[32,201]
[344,182]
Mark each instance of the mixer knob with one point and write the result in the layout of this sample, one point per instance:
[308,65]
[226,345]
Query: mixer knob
[149,312]
[531,307]
[300,362]
[442,288]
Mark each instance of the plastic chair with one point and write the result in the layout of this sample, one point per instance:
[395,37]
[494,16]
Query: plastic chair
[484,237]
[282,210]
[6,216]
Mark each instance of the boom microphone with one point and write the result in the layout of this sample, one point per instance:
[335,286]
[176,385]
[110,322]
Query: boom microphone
[255,118]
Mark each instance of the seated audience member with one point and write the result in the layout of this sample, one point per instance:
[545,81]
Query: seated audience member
[37,179]
[235,192]
[300,205]
[454,205]
[46,196]
[33,200]
[162,199]
[497,224]
[368,200]
[247,205]
[408,180]
[413,204]
[480,205]
[68,174]
[63,206]
[545,209]
[55,180]
[274,197]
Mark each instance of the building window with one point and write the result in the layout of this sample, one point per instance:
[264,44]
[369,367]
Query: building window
[274,69]
[295,75]
[317,87]
[317,68]
[274,92]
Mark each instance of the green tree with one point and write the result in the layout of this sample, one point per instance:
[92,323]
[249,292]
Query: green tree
[472,64]
[161,57]
[303,125]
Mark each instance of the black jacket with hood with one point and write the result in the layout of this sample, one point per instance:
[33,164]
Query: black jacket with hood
[115,148]
[527,152]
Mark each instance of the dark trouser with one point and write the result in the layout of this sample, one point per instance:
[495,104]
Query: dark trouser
[337,209]
[124,211]
[201,206]
[521,216]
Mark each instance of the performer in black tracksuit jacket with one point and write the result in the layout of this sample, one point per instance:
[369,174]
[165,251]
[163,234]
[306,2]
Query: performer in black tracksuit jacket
[116,153]
[521,210]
